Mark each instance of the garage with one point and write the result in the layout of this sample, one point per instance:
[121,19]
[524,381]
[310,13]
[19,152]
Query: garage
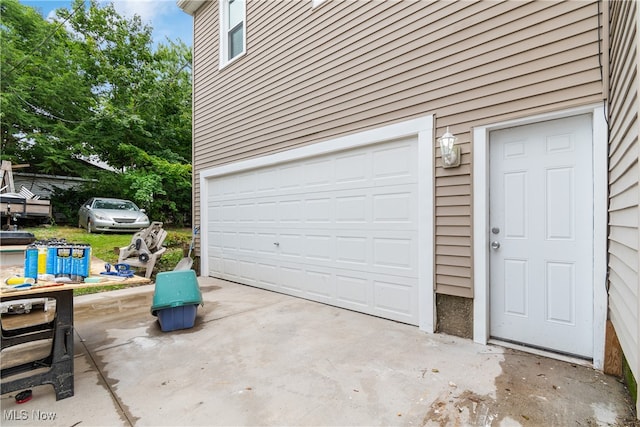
[339,224]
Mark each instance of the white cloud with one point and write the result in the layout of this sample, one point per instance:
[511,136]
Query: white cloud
[148,10]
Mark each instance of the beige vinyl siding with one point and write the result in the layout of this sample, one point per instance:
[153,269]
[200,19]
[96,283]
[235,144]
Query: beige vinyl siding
[205,61]
[312,74]
[624,175]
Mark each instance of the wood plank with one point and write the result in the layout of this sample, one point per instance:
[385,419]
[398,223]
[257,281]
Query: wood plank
[612,352]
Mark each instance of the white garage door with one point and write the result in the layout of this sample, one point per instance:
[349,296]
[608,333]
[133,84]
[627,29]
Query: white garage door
[340,228]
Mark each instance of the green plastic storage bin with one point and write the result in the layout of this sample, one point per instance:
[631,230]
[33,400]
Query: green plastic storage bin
[175,289]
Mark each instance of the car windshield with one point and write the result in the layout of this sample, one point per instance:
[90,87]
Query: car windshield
[121,205]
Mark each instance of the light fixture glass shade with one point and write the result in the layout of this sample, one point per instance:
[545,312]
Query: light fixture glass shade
[450,152]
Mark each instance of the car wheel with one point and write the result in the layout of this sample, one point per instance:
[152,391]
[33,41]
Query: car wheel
[89,226]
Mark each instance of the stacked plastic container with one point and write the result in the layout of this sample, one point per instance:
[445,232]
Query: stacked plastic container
[48,260]
[175,299]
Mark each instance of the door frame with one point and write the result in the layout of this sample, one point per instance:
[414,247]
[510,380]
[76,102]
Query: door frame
[422,128]
[481,237]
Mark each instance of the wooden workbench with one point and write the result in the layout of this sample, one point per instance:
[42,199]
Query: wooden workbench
[58,364]
[38,288]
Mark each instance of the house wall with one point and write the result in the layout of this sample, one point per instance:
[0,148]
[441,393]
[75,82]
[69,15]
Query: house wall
[311,74]
[624,175]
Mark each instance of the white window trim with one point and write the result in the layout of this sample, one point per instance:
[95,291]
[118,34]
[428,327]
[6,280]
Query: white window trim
[223,51]
[481,327]
[316,3]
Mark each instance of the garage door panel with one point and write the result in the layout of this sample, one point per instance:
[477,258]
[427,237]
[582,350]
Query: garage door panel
[246,241]
[393,253]
[288,177]
[289,211]
[320,285]
[318,173]
[229,240]
[395,163]
[266,213]
[213,209]
[360,168]
[383,252]
[318,211]
[292,280]
[229,213]
[215,265]
[246,213]
[267,275]
[245,184]
[300,193]
[265,243]
[231,268]
[291,245]
[215,239]
[384,295]
[352,292]
[319,247]
[351,209]
[395,207]
[352,168]
[246,271]
[266,181]
[352,250]
[387,262]
[339,229]
[230,185]
[395,298]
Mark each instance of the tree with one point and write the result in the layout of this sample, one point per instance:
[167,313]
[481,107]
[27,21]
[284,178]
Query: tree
[143,94]
[97,86]
[43,97]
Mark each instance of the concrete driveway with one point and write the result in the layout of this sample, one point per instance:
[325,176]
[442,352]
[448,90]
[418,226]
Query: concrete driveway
[259,358]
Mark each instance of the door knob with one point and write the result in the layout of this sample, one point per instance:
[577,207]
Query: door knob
[495,245]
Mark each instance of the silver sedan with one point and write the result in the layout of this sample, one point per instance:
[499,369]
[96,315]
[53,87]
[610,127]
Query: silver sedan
[106,214]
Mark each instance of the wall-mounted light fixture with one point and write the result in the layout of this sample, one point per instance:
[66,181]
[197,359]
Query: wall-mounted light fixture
[450,152]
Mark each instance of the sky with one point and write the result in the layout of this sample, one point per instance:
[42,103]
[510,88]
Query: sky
[166,18]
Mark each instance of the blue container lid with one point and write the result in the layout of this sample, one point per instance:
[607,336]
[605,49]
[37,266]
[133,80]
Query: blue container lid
[175,289]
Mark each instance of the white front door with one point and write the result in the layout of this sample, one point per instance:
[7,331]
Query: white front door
[541,225]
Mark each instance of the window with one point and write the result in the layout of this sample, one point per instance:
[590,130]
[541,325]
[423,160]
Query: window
[232,30]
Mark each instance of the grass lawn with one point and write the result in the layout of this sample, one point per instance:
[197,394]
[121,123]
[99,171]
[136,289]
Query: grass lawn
[104,246]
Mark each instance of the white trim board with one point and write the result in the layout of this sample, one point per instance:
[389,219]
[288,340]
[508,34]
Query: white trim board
[421,127]
[480,150]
